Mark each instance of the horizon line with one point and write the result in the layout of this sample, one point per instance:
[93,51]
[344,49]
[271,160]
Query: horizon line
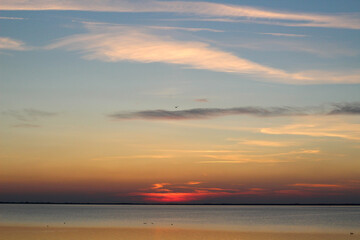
[239,204]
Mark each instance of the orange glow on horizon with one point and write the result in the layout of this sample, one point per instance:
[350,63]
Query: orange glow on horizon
[178,197]
[186,193]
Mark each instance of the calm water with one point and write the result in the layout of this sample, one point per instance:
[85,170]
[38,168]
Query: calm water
[276,218]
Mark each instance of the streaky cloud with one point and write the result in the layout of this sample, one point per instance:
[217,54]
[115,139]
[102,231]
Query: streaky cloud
[26,125]
[117,43]
[318,127]
[202,9]
[205,113]
[28,114]
[12,18]
[284,34]
[264,143]
[185,29]
[157,27]
[12,44]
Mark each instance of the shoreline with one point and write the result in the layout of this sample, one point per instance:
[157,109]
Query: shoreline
[190,204]
[161,233]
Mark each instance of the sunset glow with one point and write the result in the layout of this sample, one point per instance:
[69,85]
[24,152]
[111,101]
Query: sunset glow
[180,101]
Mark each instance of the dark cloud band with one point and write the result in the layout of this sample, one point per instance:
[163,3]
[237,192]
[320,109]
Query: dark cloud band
[204,113]
[346,108]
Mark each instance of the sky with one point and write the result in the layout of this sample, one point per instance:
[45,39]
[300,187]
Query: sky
[180,101]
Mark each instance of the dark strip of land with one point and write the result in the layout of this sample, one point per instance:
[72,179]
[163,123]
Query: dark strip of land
[191,204]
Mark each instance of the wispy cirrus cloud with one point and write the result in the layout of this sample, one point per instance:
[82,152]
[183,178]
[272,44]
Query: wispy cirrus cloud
[324,50]
[26,125]
[116,43]
[185,29]
[203,9]
[12,18]
[28,114]
[119,43]
[156,27]
[281,157]
[205,113]
[330,77]
[263,143]
[316,128]
[284,34]
[12,44]
[112,158]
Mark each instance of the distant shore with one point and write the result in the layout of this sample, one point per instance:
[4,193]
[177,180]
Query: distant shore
[84,233]
[190,204]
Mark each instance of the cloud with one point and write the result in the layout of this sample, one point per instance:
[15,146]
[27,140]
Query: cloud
[132,157]
[193,183]
[201,100]
[240,159]
[115,43]
[346,108]
[203,9]
[318,77]
[28,114]
[244,156]
[316,185]
[26,125]
[190,191]
[160,187]
[346,21]
[206,113]
[203,113]
[262,143]
[265,143]
[12,18]
[189,29]
[12,44]
[119,43]
[202,151]
[185,29]
[315,128]
[321,126]
[324,50]
[259,158]
[284,34]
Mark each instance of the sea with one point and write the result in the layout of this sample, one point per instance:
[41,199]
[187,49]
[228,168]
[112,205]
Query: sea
[341,219]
